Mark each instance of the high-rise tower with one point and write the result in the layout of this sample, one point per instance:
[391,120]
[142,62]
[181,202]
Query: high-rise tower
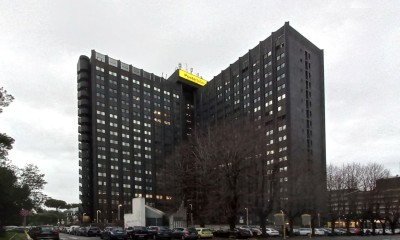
[130,120]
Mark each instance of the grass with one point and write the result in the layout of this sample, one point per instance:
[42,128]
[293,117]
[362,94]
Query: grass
[13,236]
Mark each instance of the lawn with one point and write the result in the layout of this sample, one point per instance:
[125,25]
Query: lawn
[13,236]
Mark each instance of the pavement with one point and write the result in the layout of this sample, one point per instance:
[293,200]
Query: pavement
[370,237]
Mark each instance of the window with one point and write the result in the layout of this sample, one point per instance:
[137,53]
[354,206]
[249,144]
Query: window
[99,69]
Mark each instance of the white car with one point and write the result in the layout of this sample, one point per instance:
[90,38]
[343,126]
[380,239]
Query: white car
[73,229]
[271,232]
[256,231]
[319,232]
[304,231]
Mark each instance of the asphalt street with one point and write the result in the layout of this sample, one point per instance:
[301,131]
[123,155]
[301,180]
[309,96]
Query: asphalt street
[378,237]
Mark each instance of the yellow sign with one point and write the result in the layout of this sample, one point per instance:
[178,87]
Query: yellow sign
[191,77]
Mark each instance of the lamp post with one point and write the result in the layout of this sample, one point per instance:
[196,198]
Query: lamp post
[319,221]
[119,212]
[247,216]
[191,214]
[283,223]
[83,217]
[97,215]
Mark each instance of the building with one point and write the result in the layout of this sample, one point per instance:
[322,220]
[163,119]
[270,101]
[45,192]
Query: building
[360,208]
[130,120]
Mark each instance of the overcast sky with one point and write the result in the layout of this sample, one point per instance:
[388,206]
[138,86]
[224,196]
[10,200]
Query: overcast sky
[41,41]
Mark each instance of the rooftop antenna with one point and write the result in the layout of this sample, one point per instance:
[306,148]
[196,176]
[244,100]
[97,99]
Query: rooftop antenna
[191,70]
[186,67]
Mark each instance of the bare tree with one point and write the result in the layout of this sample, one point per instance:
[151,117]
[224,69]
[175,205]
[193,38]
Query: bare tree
[353,194]
[372,172]
[211,171]
[371,204]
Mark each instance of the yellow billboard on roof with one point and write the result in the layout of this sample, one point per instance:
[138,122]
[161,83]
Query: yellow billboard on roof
[192,78]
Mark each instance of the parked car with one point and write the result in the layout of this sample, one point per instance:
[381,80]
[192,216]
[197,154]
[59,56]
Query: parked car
[81,231]
[389,231]
[93,231]
[114,233]
[73,229]
[254,231]
[242,233]
[204,233]
[304,231]
[159,232]
[9,228]
[355,231]
[185,233]
[62,229]
[137,232]
[319,232]
[221,233]
[104,232]
[328,231]
[44,232]
[271,232]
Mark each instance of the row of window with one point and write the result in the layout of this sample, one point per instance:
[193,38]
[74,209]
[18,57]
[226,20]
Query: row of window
[101,79]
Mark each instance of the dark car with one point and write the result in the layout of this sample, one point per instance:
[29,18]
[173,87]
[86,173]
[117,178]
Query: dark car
[104,232]
[81,231]
[114,233]
[44,232]
[137,232]
[93,231]
[185,233]
[159,232]
[221,233]
[242,233]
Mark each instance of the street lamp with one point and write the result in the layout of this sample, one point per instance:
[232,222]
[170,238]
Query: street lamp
[119,212]
[283,222]
[247,216]
[191,213]
[319,221]
[97,215]
[83,217]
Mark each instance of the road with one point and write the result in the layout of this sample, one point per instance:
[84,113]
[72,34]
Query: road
[379,237]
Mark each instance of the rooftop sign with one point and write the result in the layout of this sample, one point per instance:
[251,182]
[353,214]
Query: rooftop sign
[192,78]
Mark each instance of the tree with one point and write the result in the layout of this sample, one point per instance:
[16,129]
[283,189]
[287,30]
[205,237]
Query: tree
[13,197]
[6,143]
[5,99]
[353,194]
[46,217]
[57,204]
[20,188]
[211,171]
[371,204]
[30,175]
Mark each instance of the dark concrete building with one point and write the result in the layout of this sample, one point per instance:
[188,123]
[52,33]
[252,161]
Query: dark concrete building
[377,204]
[130,120]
